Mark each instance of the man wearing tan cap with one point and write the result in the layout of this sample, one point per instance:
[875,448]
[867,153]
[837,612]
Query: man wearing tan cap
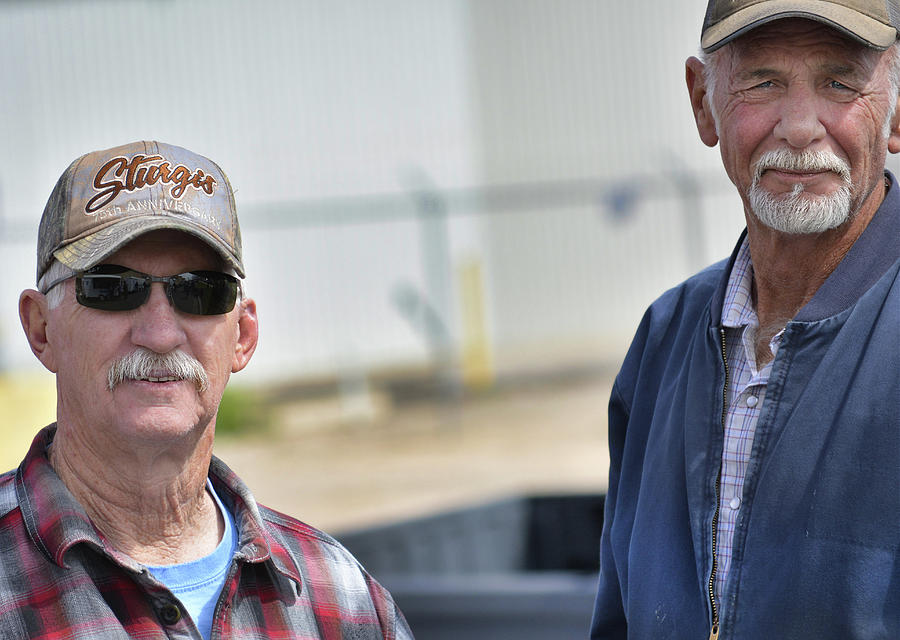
[754,427]
[120,523]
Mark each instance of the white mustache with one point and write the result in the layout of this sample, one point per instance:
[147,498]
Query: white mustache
[783,159]
[144,364]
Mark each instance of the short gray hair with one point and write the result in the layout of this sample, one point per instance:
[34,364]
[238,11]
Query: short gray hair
[55,272]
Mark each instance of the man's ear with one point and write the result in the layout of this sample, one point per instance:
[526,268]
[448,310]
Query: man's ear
[247,335]
[696,85]
[894,135]
[34,315]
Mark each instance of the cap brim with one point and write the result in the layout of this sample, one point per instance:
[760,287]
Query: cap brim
[858,26]
[92,249]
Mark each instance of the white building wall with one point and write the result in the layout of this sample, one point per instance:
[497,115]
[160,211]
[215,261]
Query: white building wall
[553,136]
[296,100]
[582,89]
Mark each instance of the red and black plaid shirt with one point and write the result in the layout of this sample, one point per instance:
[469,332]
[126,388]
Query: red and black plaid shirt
[59,577]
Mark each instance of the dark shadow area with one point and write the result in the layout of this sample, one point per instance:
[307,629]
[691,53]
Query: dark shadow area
[523,568]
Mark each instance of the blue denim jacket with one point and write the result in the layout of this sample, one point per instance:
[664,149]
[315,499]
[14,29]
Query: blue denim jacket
[816,540]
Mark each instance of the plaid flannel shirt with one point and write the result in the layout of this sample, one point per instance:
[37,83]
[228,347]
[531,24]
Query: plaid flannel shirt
[746,395]
[60,578]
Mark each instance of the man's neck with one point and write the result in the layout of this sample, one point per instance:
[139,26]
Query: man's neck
[155,509]
[788,269]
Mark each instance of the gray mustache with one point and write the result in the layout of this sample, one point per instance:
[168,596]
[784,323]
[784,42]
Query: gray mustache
[803,161]
[144,364]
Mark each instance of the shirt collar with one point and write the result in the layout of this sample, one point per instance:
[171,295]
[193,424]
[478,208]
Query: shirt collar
[737,309]
[54,519]
[255,542]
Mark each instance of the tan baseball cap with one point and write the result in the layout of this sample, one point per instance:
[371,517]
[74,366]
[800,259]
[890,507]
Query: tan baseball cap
[872,22]
[106,199]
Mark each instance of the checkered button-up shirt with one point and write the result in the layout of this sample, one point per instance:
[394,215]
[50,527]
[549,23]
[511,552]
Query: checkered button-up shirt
[61,579]
[746,393]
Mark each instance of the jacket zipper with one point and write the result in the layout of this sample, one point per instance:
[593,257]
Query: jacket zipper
[714,631]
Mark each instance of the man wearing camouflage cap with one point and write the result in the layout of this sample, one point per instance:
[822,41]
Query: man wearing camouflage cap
[754,487]
[120,523]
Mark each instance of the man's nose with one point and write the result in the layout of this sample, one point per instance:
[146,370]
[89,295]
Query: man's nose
[156,324]
[800,124]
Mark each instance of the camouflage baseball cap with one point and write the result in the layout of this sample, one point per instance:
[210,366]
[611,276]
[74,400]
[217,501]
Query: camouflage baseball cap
[106,199]
[874,23]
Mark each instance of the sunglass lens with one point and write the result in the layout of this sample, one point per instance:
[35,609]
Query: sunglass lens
[111,292]
[205,293]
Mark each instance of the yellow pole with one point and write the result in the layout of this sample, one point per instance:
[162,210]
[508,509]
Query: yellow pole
[477,365]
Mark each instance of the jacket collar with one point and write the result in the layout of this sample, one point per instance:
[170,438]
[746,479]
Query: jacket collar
[56,522]
[873,253]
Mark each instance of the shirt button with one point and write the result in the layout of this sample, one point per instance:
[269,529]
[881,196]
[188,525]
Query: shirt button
[752,400]
[735,503]
[169,614]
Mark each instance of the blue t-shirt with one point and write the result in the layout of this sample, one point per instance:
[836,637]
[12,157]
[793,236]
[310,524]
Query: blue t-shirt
[198,583]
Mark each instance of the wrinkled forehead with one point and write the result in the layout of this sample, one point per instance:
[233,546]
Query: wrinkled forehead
[801,37]
[169,246]
[783,44]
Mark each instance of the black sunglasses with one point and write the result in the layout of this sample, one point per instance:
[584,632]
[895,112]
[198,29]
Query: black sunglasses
[113,288]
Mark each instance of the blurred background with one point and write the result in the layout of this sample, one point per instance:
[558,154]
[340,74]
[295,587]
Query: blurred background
[454,213]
